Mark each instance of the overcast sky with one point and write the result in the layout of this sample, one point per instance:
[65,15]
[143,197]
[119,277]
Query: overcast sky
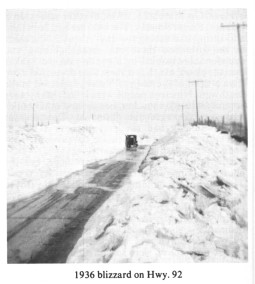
[131,66]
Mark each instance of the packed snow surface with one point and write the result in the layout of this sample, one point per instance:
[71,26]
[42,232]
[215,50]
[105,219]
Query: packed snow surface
[189,204]
[40,156]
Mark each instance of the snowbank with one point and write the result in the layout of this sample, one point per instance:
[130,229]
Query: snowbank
[188,205]
[40,156]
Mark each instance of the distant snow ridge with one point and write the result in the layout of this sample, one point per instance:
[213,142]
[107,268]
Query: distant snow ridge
[188,205]
[40,156]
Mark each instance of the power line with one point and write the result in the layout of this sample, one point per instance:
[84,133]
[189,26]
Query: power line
[195,82]
[238,26]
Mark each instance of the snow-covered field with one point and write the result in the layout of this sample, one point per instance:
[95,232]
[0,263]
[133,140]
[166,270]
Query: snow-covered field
[189,204]
[40,156]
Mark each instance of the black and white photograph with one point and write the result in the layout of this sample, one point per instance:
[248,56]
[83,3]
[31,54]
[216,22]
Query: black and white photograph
[127,136]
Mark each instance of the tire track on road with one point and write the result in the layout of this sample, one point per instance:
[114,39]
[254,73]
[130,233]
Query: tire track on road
[44,228]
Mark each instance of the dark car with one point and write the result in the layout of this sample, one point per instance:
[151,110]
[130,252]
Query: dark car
[131,142]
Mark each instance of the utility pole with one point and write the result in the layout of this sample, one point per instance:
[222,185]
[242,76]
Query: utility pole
[195,82]
[223,121]
[33,119]
[182,114]
[241,119]
[238,26]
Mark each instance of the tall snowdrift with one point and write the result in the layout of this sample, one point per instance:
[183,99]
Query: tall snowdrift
[189,204]
[40,156]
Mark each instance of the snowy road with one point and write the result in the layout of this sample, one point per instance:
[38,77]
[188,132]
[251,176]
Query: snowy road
[45,227]
[188,204]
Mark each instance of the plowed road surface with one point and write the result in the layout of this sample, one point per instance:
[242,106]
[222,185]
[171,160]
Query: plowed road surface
[45,227]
